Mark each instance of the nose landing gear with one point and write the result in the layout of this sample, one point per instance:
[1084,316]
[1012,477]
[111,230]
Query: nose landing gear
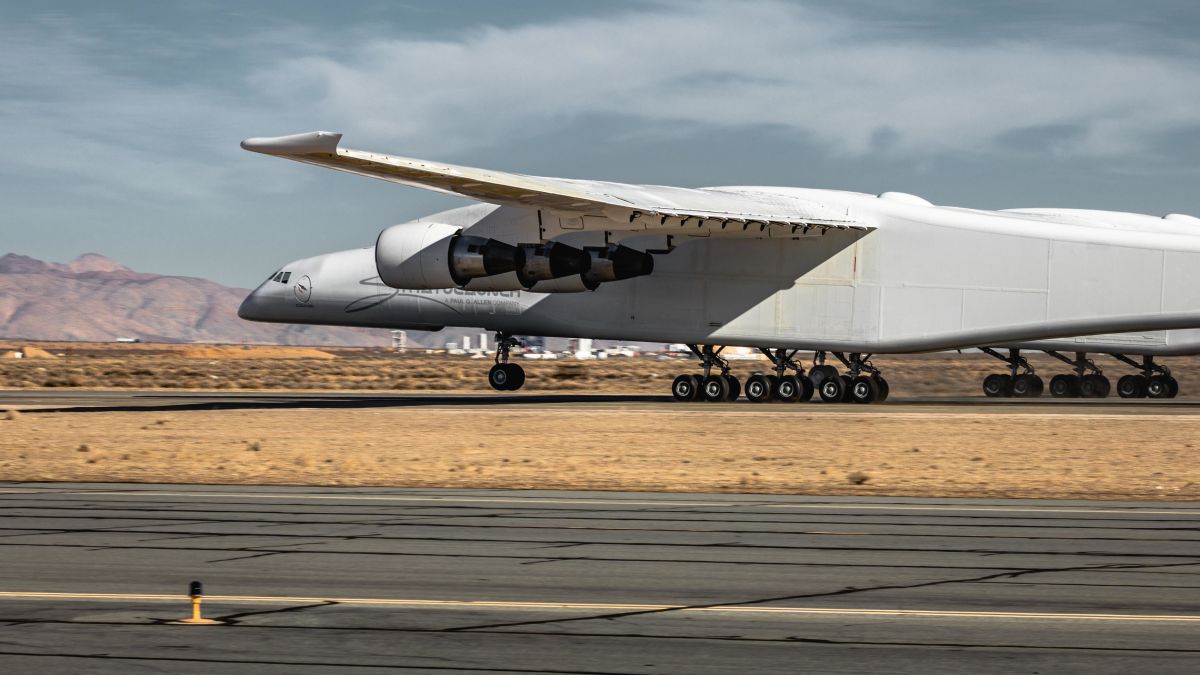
[505,376]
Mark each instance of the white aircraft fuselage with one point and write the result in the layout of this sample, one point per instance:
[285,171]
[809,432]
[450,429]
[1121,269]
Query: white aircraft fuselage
[927,278]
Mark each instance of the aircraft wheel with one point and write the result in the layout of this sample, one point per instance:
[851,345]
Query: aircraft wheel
[1094,385]
[715,388]
[997,385]
[847,382]
[516,376]
[685,388]
[1173,384]
[1025,386]
[819,374]
[864,390]
[735,388]
[500,377]
[787,389]
[1064,386]
[884,389]
[1132,386]
[832,390]
[1158,387]
[806,388]
[758,389]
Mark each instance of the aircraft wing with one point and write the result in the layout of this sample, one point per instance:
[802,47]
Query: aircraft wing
[600,205]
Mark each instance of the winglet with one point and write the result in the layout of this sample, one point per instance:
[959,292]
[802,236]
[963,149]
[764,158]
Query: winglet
[325,142]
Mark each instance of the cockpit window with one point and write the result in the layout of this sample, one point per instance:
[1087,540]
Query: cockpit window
[286,276]
[275,277]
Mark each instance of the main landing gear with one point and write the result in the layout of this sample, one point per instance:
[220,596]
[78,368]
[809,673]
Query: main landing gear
[505,376]
[712,387]
[1022,385]
[1155,381]
[1087,380]
[861,383]
[787,384]
[780,386]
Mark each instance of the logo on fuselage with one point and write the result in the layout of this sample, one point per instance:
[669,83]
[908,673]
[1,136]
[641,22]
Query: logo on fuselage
[303,289]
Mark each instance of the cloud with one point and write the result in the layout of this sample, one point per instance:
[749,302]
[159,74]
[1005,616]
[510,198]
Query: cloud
[853,86]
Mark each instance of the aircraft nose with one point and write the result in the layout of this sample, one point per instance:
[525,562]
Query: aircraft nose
[254,307]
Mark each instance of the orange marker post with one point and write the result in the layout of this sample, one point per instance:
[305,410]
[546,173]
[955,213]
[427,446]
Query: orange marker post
[196,591]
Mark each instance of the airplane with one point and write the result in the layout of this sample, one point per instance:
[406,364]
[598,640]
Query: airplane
[780,269]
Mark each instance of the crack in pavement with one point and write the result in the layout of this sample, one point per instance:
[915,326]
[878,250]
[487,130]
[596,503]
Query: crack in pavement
[1012,574]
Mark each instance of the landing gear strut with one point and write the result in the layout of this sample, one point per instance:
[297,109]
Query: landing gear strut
[1155,381]
[862,382]
[1082,383]
[713,387]
[1027,384]
[780,386]
[505,376]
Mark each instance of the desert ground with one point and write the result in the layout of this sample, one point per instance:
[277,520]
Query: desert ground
[1112,451]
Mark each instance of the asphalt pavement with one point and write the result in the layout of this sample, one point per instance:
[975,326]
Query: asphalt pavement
[320,580]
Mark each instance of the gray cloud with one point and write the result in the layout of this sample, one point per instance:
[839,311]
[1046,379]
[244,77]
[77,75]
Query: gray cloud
[833,78]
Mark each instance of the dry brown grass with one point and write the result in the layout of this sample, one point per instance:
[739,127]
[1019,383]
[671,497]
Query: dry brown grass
[768,449]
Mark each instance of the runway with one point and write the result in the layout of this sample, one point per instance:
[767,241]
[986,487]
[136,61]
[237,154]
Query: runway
[93,400]
[318,580]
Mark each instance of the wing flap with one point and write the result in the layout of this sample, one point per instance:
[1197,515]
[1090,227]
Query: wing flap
[623,206]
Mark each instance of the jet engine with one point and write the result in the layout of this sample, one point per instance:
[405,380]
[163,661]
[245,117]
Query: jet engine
[550,260]
[435,255]
[615,263]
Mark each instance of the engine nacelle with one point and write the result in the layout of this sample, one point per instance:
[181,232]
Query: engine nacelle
[614,263]
[550,260]
[436,255]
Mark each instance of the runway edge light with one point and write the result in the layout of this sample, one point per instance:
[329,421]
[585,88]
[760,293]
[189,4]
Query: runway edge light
[196,592]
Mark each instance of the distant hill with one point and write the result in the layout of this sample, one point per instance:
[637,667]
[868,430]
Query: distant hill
[96,298]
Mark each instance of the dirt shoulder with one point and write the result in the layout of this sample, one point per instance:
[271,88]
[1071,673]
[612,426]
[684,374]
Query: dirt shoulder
[768,449]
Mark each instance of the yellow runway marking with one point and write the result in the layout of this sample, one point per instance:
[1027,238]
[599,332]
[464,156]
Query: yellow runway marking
[603,607]
[616,503]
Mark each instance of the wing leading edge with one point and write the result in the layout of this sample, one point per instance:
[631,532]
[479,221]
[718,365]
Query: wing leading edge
[619,206]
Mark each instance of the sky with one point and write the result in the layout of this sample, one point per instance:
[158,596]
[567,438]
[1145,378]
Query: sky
[121,120]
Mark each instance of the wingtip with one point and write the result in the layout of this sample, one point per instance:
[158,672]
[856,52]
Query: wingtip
[295,144]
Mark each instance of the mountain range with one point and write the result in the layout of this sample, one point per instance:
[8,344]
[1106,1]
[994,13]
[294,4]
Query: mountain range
[94,298]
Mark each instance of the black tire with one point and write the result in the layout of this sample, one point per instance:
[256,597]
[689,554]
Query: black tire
[1132,386]
[735,388]
[884,389]
[1026,386]
[684,388]
[1039,386]
[997,385]
[832,390]
[1064,386]
[1158,387]
[864,390]
[806,388]
[715,389]
[758,388]
[846,382]
[787,389]
[498,377]
[819,374]
[1095,385]
[1173,384]
[516,376]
